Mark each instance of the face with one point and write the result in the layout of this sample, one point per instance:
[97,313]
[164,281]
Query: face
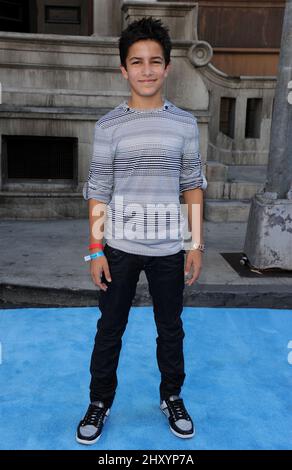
[146,69]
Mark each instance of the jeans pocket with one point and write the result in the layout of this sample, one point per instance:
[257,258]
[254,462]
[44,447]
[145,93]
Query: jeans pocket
[114,253]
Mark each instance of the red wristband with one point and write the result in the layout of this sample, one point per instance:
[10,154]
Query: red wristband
[95,245]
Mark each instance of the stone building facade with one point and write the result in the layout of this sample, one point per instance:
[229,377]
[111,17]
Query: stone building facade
[59,72]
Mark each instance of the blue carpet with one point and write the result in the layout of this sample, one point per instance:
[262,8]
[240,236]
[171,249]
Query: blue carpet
[238,387]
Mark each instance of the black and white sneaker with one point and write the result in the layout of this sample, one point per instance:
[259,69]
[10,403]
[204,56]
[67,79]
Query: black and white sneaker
[90,428]
[179,420]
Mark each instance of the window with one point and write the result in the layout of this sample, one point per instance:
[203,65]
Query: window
[42,159]
[14,16]
[227,116]
[71,17]
[253,118]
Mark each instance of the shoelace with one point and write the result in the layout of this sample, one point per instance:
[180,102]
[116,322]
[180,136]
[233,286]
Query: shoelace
[94,416]
[178,410]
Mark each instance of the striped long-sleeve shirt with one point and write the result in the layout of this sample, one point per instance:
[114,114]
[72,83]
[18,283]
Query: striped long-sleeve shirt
[143,159]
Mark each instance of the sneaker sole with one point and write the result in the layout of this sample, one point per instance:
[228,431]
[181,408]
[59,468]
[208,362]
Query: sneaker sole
[87,442]
[182,436]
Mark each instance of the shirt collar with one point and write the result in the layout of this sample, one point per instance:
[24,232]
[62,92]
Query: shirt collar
[167,104]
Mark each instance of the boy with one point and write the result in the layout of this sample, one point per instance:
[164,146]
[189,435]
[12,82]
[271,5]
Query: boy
[145,153]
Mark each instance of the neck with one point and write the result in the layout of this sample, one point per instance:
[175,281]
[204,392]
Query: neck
[139,103]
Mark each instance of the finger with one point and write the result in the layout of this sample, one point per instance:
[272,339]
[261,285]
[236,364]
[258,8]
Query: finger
[103,286]
[97,279]
[189,264]
[195,276]
[107,273]
[188,267]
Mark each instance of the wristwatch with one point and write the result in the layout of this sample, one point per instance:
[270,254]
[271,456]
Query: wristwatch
[198,246]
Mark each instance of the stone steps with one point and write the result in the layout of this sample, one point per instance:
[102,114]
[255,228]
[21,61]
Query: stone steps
[230,190]
[42,205]
[226,210]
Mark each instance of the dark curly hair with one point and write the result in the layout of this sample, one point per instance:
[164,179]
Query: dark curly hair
[145,28]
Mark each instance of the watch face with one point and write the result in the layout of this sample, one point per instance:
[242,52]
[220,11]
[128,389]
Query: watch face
[198,246]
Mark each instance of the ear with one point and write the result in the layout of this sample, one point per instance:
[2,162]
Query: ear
[124,72]
[167,69]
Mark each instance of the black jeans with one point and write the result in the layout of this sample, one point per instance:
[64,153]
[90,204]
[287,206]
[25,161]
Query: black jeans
[165,276]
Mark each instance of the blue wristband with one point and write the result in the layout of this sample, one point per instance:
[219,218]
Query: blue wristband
[93,256]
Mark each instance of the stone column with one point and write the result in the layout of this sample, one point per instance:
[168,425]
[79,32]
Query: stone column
[280,157]
[106,18]
[268,240]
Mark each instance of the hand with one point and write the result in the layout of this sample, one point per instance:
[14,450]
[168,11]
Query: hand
[97,267]
[193,265]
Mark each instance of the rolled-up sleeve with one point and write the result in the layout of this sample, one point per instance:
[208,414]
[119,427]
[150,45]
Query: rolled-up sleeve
[192,175]
[99,184]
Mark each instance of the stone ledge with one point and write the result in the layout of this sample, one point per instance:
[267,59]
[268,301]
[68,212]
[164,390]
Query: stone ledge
[203,295]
